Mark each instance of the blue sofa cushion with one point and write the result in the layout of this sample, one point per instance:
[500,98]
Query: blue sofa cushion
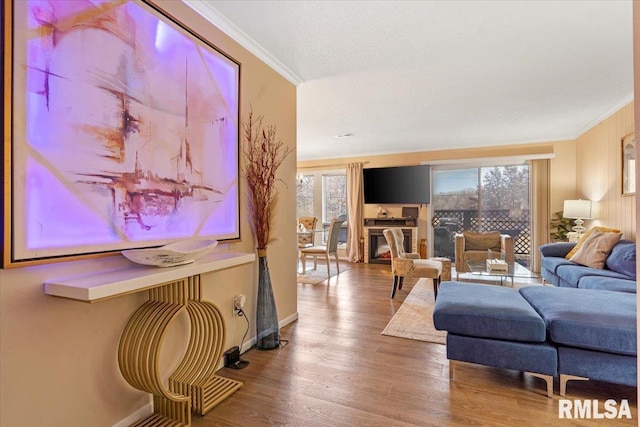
[622,258]
[552,263]
[486,311]
[591,319]
[574,273]
[608,284]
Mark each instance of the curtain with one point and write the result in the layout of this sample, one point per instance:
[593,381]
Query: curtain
[355,209]
[540,209]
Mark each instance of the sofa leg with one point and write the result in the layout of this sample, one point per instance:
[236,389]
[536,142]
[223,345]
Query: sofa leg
[452,364]
[548,379]
[563,382]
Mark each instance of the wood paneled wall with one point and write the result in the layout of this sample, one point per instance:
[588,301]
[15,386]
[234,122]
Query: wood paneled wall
[599,172]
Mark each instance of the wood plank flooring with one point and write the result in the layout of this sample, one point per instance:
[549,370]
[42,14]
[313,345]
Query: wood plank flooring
[338,370]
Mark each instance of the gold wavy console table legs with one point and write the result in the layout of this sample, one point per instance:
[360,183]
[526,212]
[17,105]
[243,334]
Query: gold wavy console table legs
[193,385]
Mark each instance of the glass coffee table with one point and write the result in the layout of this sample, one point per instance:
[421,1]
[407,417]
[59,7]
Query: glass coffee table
[478,272]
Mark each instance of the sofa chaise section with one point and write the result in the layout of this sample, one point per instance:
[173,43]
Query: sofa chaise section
[494,326]
[594,331]
[547,331]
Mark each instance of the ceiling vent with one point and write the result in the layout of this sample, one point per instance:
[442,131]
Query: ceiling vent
[344,135]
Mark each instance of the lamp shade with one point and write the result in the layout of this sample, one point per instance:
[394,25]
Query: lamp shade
[577,209]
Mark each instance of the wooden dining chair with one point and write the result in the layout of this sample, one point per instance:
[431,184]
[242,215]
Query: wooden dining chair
[306,238]
[326,251]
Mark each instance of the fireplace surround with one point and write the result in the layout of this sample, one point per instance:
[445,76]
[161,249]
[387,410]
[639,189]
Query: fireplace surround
[376,250]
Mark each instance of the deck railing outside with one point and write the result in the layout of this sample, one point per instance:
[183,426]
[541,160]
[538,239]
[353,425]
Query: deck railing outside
[446,223]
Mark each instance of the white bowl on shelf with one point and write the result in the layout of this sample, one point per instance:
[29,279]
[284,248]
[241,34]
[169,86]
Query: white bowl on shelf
[171,255]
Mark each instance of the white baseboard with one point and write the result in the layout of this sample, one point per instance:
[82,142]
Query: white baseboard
[281,324]
[290,319]
[138,415]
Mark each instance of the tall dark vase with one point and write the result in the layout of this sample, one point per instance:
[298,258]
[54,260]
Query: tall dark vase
[268,332]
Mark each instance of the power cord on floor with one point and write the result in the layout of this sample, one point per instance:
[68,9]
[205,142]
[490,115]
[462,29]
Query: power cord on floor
[241,363]
[241,313]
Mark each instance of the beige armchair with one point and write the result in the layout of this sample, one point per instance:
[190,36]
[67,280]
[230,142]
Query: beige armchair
[471,246]
[409,264]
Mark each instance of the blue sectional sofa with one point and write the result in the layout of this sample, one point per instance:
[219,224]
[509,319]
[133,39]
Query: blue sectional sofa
[547,331]
[619,273]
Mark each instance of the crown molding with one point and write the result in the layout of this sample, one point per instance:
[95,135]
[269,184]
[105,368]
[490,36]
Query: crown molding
[211,14]
[605,114]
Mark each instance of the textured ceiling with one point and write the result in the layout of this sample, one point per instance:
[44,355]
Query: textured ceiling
[408,76]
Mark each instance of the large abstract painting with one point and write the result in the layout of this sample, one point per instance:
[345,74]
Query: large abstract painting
[124,130]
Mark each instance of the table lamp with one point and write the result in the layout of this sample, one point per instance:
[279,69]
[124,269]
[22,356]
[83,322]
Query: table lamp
[578,210]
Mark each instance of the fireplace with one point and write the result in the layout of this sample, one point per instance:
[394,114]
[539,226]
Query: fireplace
[379,252]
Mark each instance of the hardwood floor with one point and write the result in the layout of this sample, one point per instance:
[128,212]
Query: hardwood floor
[338,370]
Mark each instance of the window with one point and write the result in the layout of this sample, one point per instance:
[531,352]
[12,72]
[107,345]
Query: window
[323,194]
[305,195]
[482,199]
[334,200]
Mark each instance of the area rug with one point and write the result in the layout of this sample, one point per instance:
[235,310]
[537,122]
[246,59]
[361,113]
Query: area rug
[414,318]
[320,274]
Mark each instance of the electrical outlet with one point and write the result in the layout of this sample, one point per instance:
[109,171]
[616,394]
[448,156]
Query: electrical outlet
[238,303]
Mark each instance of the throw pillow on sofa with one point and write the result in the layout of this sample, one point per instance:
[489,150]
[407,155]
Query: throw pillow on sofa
[586,236]
[622,258]
[596,248]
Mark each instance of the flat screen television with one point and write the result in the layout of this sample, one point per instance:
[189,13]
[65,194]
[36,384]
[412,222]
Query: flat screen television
[401,184]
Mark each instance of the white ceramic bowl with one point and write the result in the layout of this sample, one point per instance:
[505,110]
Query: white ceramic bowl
[173,254]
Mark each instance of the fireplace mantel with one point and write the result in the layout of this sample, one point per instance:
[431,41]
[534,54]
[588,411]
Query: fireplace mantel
[391,222]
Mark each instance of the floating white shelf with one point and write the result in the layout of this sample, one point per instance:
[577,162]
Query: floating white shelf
[100,285]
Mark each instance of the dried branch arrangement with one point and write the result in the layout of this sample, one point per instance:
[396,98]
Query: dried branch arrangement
[263,155]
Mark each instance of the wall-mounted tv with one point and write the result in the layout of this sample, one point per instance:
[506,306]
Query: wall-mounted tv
[402,184]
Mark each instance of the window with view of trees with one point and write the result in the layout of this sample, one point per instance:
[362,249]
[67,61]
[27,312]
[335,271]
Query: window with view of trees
[334,190]
[505,187]
[481,199]
[305,195]
[323,194]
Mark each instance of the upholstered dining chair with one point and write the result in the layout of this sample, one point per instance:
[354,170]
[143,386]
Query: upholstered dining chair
[326,251]
[409,264]
[472,246]
[306,238]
